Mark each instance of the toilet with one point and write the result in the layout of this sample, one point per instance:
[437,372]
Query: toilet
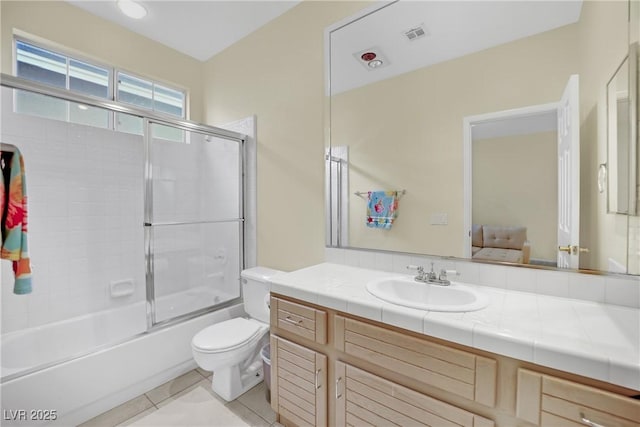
[231,349]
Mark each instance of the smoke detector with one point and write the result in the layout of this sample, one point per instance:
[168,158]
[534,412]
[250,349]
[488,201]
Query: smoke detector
[372,58]
[416,33]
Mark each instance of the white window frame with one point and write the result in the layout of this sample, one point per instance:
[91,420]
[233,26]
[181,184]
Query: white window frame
[113,75]
[154,83]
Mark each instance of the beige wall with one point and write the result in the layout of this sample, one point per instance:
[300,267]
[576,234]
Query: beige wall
[604,36]
[277,73]
[92,37]
[413,137]
[515,183]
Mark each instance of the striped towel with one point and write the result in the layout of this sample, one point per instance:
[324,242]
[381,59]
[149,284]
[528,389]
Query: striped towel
[13,239]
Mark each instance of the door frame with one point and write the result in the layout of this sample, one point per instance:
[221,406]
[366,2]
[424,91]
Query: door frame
[467,123]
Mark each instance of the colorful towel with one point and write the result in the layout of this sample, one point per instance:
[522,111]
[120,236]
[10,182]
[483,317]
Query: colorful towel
[382,209]
[13,240]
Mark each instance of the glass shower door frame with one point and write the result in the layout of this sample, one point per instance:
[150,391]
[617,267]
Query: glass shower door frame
[149,223]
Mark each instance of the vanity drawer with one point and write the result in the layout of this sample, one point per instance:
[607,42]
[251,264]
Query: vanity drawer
[363,398]
[465,374]
[304,321]
[545,400]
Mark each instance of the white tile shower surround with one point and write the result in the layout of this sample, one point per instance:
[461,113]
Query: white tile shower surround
[588,332]
[84,186]
[189,401]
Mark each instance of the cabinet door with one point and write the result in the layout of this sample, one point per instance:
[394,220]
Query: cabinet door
[545,400]
[298,383]
[364,399]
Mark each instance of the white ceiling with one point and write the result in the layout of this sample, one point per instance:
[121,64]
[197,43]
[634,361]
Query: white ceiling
[203,28]
[454,29]
[200,29]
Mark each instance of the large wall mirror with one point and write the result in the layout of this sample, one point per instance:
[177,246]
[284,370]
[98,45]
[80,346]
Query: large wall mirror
[487,121]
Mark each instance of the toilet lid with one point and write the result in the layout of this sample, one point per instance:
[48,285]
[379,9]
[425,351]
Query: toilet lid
[226,335]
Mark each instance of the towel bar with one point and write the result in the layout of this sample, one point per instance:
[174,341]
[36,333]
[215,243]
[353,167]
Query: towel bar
[364,193]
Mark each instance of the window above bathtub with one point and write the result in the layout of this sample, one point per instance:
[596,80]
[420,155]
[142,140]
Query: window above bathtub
[39,63]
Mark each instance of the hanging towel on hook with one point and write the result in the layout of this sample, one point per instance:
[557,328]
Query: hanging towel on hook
[382,209]
[13,207]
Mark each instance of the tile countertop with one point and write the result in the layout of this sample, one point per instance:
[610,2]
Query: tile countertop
[595,340]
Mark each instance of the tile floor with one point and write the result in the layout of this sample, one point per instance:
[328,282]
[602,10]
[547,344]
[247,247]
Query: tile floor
[189,401]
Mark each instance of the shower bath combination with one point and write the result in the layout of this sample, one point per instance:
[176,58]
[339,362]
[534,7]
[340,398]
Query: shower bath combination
[136,243]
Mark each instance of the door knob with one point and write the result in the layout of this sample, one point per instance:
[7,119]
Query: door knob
[573,249]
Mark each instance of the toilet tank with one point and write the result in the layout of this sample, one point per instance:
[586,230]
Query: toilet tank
[255,291]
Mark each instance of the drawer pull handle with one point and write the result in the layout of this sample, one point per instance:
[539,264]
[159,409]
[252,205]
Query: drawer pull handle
[338,395]
[588,422]
[292,320]
[318,385]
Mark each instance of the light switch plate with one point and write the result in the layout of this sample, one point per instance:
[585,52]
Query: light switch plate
[439,218]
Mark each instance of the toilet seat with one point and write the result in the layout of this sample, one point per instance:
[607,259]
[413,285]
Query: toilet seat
[227,335]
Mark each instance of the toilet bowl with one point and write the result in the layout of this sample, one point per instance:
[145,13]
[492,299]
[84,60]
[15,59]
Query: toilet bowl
[231,349]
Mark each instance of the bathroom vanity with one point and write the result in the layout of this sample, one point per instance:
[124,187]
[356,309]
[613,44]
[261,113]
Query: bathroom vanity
[342,357]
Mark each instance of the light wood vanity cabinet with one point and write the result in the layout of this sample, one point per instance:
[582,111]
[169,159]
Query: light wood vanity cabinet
[546,400]
[333,369]
[310,345]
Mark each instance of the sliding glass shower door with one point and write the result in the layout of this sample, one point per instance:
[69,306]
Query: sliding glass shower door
[193,221]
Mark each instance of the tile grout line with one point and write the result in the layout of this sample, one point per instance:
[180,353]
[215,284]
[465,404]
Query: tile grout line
[174,393]
[260,416]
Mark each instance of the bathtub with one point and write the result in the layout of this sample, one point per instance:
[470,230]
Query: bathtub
[86,386]
[33,347]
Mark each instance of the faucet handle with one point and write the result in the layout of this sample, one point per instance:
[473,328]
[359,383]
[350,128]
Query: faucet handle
[444,273]
[419,268]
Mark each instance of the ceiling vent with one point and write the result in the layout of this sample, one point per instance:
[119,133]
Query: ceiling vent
[415,33]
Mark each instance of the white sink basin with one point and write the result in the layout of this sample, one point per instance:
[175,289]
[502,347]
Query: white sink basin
[405,291]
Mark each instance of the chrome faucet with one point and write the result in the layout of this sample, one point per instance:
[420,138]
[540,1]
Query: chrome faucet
[421,276]
[431,277]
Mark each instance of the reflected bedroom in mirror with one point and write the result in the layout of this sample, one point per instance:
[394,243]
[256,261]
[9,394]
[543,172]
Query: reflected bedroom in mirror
[498,131]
